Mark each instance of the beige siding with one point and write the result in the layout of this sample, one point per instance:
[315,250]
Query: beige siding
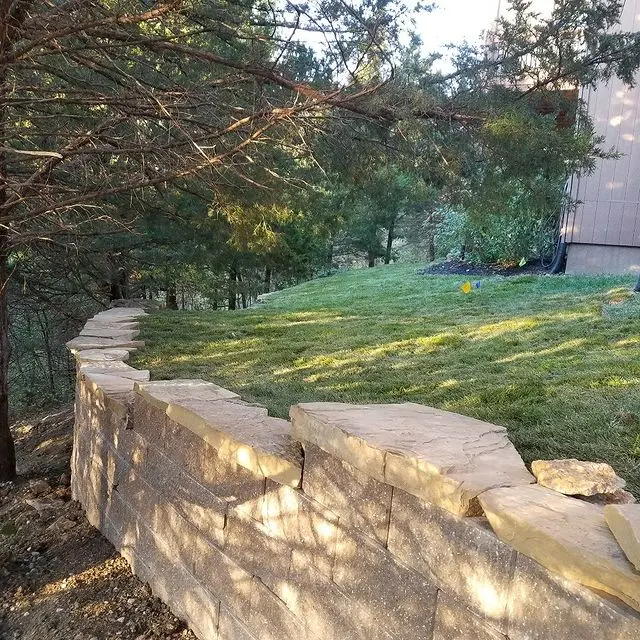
[608,210]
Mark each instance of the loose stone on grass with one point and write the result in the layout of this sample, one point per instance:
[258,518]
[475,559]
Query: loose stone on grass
[577,477]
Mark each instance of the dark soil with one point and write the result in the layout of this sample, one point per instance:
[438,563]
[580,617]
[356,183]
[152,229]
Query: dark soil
[463,268]
[59,578]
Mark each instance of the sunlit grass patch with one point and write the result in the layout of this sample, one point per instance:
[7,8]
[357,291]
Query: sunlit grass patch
[554,359]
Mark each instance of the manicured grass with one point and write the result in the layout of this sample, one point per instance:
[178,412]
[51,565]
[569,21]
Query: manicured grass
[556,359]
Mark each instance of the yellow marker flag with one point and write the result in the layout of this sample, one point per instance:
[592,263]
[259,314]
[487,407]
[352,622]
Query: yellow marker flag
[466,287]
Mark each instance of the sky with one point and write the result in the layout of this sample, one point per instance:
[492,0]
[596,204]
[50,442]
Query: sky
[454,21]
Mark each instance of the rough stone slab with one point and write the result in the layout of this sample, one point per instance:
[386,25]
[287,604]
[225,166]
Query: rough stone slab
[547,606]
[111,324]
[443,457]
[358,499]
[164,393]
[120,314]
[237,431]
[397,598]
[573,477]
[82,342]
[455,622]
[112,334]
[115,368]
[109,384]
[102,355]
[255,440]
[624,522]
[566,535]
[301,523]
[462,555]
[269,618]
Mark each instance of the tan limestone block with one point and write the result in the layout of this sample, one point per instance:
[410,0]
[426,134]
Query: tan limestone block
[115,368]
[162,393]
[565,535]
[442,457]
[120,314]
[114,333]
[84,342]
[573,477]
[244,433]
[108,384]
[112,324]
[624,522]
[102,355]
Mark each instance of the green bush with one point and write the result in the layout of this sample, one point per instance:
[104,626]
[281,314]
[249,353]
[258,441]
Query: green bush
[494,237]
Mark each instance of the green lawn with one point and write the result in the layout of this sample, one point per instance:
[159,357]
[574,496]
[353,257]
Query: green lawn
[556,359]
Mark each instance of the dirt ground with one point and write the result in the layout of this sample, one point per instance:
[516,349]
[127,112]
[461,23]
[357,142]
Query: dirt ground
[59,578]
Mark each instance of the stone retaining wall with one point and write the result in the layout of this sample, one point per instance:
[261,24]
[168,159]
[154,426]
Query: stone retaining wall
[350,524]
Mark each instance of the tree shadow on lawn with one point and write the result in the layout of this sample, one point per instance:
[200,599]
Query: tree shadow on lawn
[558,381]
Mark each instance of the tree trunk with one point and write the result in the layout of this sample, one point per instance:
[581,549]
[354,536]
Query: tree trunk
[172,298]
[387,253]
[7,448]
[243,293]
[232,288]
[267,278]
[636,288]
[372,258]
[119,285]
[330,256]
[44,329]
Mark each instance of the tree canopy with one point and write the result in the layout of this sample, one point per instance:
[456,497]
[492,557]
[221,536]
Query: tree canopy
[230,146]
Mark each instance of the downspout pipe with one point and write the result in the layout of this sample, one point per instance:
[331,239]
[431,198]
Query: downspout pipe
[560,259]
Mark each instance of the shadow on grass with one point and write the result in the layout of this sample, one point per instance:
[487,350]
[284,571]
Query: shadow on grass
[536,356]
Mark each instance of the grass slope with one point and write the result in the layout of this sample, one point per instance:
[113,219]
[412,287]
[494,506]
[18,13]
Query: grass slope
[554,359]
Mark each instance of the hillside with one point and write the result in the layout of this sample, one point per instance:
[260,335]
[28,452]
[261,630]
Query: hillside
[556,359]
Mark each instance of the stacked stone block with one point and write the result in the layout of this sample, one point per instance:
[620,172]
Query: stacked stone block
[351,523]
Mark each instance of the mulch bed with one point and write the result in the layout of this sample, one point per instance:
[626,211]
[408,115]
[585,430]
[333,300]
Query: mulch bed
[463,268]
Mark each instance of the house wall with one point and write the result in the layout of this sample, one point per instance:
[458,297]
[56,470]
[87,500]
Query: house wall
[608,209]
